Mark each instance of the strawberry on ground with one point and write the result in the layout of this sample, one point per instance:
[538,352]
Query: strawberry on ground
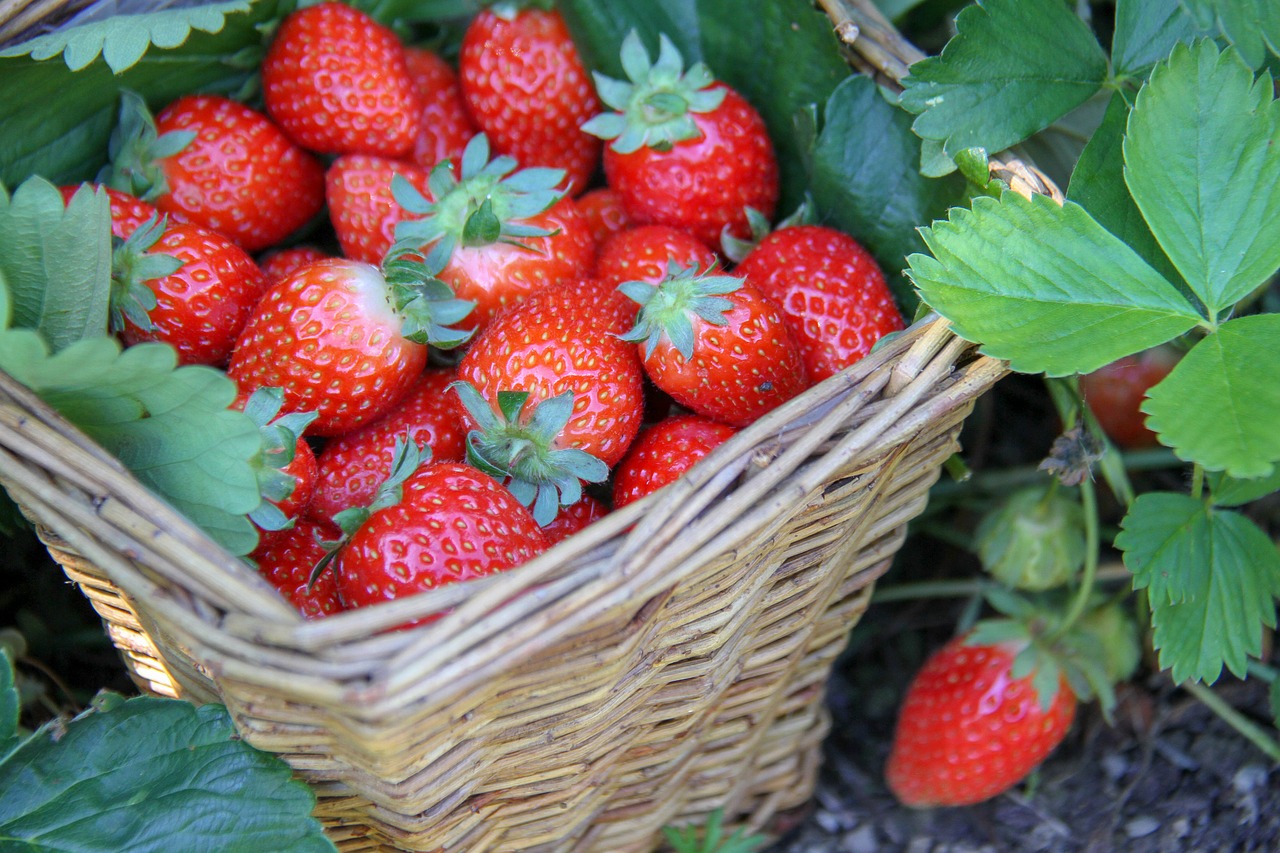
[362,208]
[685,150]
[527,88]
[1115,393]
[287,558]
[831,291]
[968,730]
[446,126]
[337,82]
[646,252]
[663,452]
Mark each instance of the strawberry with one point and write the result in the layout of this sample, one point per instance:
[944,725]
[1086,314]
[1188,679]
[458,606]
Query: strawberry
[128,212]
[663,452]
[278,264]
[186,286]
[287,470]
[551,395]
[431,525]
[527,88]
[831,291]
[352,465]
[716,345]
[217,163]
[446,126]
[574,517]
[346,339]
[361,206]
[1115,393]
[287,558]
[646,252]
[499,234]
[969,730]
[685,151]
[603,211]
[337,82]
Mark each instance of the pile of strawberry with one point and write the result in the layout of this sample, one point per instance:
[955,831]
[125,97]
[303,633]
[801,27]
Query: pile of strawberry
[472,309]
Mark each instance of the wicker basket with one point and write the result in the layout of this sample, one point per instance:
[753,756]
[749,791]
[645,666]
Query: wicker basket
[668,661]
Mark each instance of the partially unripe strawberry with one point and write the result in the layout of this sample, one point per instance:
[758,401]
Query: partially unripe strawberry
[1034,540]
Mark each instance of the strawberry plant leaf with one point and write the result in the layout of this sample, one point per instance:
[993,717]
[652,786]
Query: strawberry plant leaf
[1231,376]
[1212,577]
[1044,286]
[1012,69]
[864,179]
[1217,217]
[1233,491]
[1146,30]
[169,425]
[1252,26]
[56,122]
[10,701]
[42,241]
[168,775]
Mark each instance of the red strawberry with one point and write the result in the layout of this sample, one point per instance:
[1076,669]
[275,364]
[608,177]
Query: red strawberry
[361,206]
[686,151]
[212,161]
[1115,394]
[186,286]
[716,345]
[527,89]
[287,559]
[831,291]
[554,397]
[968,730]
[336,81]
[276,265]
[354,464]
[447,523]
[500,234]
[603,211]
[446,126]
[128,212]
[574,517]
[345,339]
[663,452]
[646,252]
[287,469]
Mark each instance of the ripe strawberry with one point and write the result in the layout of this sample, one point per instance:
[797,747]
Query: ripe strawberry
[646,252]
[186,286]
[499,234]
[527,89]
[663,452]
[276,265]
[336,81]
[1116,391]
[128,212]
[716,345]
[214,162]
[354,464]
[287,559]
[446,126]
[552,395]
[968,730]
[686,151]
[346,339]
[446,523]
[287,470]
[574,517]
[361,206]
[603,211]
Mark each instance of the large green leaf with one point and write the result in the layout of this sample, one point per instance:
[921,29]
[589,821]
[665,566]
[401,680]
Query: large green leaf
[1044,286]
[1233,491]
[1253,26]
[865,179]
[1013,67]
[1220,406]
[781,55]
[1212,577]
[55,261]
[56,122]
[1146,30]
[1202,160]
[152,775]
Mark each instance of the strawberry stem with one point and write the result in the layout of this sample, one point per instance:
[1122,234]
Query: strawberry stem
[1251,731]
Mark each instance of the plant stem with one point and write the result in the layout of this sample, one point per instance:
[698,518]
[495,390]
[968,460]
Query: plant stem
[1258,669]
[928,589]
[1197,481]
[1242,724]
[1008,478]
[1089,576]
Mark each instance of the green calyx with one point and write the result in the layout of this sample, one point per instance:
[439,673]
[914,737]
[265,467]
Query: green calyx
[668,309]
[132,266]
[654,106]
[508,9]
[279,444]
[428,307]
[522,453]
[135,149]
[489,204]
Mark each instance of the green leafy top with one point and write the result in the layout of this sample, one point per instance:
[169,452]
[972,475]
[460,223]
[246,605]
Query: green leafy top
[669,309]
[711,838]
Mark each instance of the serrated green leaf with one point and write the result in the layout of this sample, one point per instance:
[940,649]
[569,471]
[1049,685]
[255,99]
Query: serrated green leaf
[56,261]
[153,775]
[1217,216]
[169,425]
[1012,69]
[1146,30]
[865,181]
[1252,26]
[56,122]
[1212,577]
[1233,491]
[10,701]
[1220,405]
[1044,286]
